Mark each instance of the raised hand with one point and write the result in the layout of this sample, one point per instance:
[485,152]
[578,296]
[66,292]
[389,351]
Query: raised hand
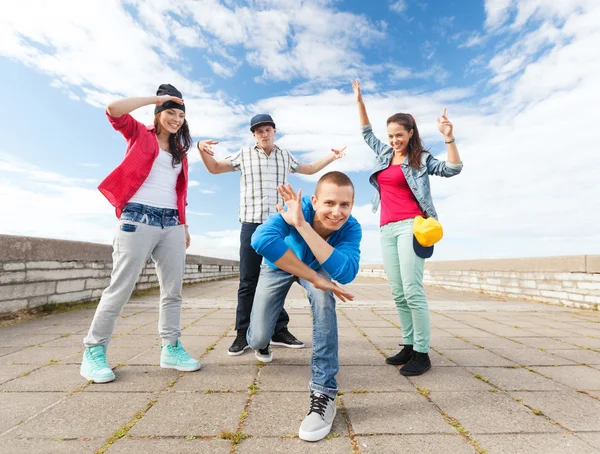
[294,215]
[444,125]
[205,146]
[325,284]
[160,100]
[338,153]
[357,92]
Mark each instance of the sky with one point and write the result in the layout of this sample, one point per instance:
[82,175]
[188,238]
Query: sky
[519,79]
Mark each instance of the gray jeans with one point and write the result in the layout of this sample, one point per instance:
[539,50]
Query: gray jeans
[133,243]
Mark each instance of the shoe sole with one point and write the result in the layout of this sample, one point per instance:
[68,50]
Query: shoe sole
[98,380]
[179,368]
[317,434]
[263,359]
[238,353]
[287,345]
[391,363]
[413,374]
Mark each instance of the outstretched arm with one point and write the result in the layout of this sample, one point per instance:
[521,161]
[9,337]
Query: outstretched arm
[315,166]
[446,129]
[362,109]
[208,158]
[124,106]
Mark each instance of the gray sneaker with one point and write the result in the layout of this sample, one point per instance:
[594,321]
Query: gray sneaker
[264,354]
[317,423]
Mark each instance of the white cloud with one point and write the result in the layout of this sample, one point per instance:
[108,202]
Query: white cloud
[398,6]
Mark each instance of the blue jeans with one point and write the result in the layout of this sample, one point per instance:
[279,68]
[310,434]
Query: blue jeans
[273,287]
[249,271]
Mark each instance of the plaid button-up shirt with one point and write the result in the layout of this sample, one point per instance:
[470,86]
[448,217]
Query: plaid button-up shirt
[259,178]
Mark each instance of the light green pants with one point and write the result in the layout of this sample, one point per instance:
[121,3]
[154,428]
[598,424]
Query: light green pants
[404,271]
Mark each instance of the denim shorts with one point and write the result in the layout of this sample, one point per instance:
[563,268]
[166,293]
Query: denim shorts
[145,214]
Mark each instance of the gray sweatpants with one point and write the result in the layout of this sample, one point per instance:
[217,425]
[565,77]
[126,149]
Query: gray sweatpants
[130,251]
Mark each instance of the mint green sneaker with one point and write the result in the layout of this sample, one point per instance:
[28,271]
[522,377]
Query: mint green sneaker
[177,358]
[94,366]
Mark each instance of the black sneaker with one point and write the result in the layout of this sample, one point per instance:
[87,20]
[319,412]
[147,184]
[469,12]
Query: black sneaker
[402,357]
[286,339]
[239,344]
[264,355]
[419,364]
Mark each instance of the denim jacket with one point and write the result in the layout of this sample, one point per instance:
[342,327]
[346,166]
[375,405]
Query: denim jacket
[417,179]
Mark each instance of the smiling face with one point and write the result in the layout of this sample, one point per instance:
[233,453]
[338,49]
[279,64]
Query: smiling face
[333,206]
[399,137]
[265,137]
[171,120]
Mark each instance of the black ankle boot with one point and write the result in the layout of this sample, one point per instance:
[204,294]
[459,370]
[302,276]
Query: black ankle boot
[402,357]
[419,364]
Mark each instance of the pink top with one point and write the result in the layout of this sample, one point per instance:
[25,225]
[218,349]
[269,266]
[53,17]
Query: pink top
[397,200]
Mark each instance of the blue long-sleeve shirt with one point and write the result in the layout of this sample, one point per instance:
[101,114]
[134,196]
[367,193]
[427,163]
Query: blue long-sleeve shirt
[273,238]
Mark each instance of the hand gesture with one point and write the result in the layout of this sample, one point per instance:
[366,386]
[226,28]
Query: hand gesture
[337,154]
[160,100]
[444,125]
[325,284]
[205,146]
[357,92]
[294,215]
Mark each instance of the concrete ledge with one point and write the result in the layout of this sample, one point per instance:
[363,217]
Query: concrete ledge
[39,271]
[570,281]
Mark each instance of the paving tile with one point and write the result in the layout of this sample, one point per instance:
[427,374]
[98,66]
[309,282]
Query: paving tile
[48,378]
[138,379]
[448,379]
[518,379]
[293,446]
[48,446]
[169,446]
[284,378]
[423,444]
[494,342]
[585,341]
[591,438]
[192,414]
[579,356]
[372,378]
[90,414]
[532,357]
[17,407]
[563,443]
[281,413]
[133,340]
[469,332]
[29,340]
[477,357]
[370,414]
[358,352]
[11,371]
[40,355]
[383,332]
[573,410]
[218,378]
[544,342]
[577,377]
[291,356]
[485,412]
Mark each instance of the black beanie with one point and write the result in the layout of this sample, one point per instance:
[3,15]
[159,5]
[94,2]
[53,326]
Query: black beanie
[168,89]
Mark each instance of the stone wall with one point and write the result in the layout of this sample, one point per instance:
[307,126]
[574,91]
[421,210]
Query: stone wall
[571,281]
[39,271]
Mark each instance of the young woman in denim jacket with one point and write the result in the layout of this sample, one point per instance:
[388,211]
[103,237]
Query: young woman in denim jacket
[149,191]
[401,178]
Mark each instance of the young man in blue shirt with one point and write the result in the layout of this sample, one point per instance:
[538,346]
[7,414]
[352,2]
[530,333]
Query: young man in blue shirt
[314,242]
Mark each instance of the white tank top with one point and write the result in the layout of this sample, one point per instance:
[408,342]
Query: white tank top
[159,189]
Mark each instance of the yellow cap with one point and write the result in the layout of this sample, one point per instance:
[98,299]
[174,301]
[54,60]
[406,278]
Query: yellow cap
[427,231]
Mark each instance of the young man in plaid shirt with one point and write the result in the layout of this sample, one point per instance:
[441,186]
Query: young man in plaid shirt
[263,167]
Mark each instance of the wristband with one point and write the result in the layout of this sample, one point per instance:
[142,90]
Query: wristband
[450,141]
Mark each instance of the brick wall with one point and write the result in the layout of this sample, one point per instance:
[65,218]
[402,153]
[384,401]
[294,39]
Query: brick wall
[571,281]
[38,271]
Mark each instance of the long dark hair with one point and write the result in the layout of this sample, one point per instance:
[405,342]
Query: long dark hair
[415,145]
[179,143]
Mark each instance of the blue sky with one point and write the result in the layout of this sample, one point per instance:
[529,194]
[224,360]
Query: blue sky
[518,78]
